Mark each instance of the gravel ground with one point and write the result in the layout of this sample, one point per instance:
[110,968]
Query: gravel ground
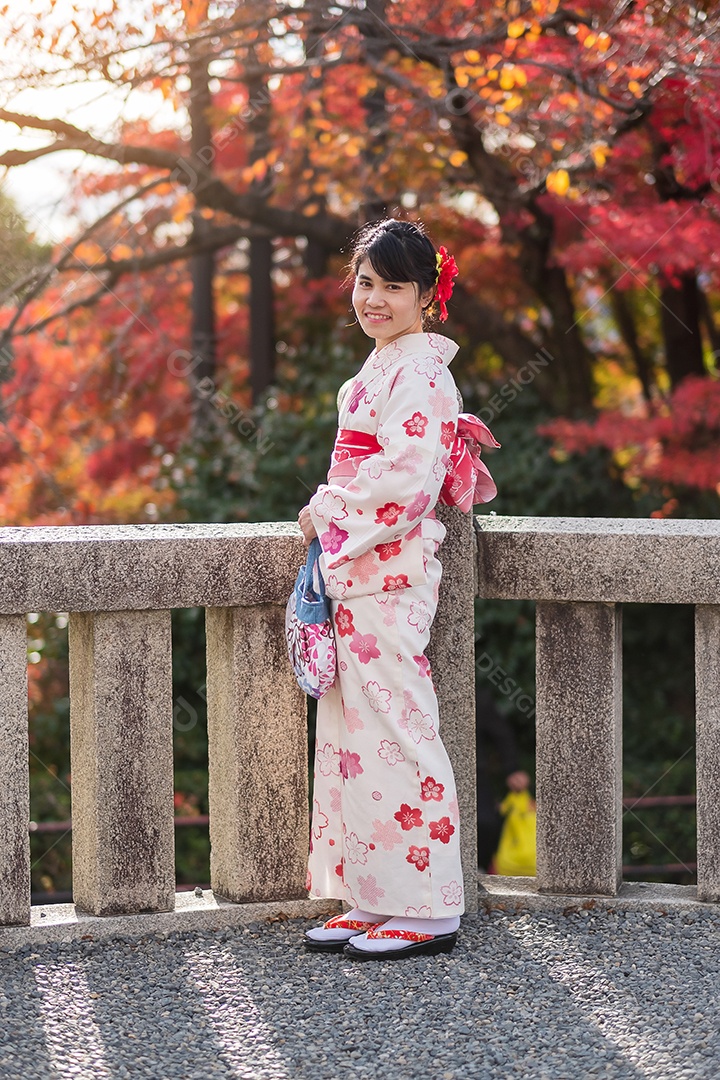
[631,996]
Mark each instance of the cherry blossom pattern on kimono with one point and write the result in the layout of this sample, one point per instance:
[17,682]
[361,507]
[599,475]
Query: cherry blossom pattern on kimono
[370,518]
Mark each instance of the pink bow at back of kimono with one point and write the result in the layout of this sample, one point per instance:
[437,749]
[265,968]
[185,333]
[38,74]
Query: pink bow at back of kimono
[468,480]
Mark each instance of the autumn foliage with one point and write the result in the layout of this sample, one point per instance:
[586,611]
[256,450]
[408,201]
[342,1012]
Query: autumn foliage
[566,154]
[676,446]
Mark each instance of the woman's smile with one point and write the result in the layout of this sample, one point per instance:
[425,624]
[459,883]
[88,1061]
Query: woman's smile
[378,303]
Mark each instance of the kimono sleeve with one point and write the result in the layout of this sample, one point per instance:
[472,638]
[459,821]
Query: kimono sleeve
[397,487]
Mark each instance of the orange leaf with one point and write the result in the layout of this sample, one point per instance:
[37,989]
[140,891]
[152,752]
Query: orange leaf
[599,154]
[196,13]
[558,181]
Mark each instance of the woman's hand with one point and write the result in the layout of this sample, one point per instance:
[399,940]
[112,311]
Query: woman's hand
[305,523]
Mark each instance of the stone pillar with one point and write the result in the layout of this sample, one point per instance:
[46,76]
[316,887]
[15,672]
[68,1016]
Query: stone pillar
[121,712]
[15,784]
[257,756]
[579,748]
[707,705]
[452,657]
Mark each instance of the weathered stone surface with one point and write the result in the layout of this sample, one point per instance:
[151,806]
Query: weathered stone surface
[599,559]
[579,748]
[15,783]
[452,657]
[519,894]
[257,749]
[121,759]
[123,567]
[65,922]
[707,705]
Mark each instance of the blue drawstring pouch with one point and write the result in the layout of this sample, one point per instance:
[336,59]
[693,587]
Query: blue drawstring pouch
[309,629]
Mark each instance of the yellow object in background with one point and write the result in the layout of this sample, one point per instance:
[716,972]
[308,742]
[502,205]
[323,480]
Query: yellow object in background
[515,856]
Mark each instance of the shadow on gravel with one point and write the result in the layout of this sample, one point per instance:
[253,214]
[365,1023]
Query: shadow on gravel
[547,997]
[24,1035]
[489,1010]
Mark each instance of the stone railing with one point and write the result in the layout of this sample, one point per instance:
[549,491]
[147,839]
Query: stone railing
[119,583]
[579,571]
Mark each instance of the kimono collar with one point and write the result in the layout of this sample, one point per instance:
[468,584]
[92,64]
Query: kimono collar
[411,345]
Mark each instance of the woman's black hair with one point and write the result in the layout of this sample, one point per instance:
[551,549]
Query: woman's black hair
[397,251]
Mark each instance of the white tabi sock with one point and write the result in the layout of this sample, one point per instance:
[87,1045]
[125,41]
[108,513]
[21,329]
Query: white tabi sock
[321,933]
[418,926]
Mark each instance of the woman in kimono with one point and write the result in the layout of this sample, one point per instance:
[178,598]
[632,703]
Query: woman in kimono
[385,828]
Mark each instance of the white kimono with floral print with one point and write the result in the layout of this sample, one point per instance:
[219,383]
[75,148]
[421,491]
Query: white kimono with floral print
[385,834]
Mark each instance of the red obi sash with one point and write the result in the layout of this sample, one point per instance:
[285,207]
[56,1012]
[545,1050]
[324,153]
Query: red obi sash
[467,480]
[351,444]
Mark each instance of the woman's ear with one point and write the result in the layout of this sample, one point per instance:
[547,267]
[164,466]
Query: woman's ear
[426,299]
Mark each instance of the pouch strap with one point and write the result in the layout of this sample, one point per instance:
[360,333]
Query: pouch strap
[313,578]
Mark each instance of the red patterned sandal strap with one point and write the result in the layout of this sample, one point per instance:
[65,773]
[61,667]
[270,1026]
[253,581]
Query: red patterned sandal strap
[399,935]
[339,922]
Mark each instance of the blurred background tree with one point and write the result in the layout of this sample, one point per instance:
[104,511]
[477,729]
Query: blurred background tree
[175,353]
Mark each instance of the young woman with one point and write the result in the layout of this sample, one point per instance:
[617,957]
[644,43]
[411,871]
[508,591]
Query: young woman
[385,830]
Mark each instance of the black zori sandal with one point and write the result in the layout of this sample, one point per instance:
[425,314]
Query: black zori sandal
[418,945]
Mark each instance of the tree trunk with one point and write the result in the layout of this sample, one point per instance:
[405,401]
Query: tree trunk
[680,321]
[6,374]
[374,205]
[711,329]
[571,359]
[202,267]
[570,376]
[680,305]
[262,321]
[316,256]
[484,323]
[628,332]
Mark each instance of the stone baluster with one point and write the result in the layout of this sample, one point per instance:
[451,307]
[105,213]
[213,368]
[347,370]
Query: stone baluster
[579,748]
[452,658]
[121,714]
[707,704]
[257,754]
[15,786]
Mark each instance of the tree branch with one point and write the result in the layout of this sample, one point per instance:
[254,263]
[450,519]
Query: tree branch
[43,275]
[329,230]
[115,269]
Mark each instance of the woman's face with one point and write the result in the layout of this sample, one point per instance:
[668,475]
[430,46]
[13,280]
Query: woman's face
[386,309]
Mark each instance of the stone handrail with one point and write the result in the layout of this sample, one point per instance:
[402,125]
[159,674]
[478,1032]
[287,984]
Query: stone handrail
[119,583]
[579,570]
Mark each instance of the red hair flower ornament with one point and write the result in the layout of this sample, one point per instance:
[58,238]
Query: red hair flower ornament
[446,271]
